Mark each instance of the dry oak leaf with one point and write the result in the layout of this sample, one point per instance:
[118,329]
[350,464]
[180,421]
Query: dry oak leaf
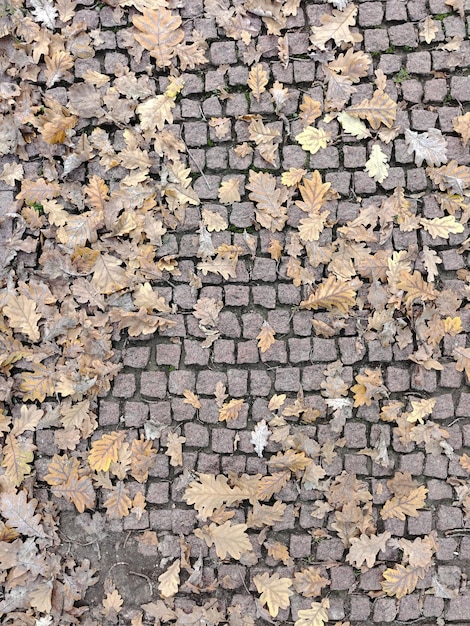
[230,410]
[317,615]
[108,275]
[408,504]
[293,176]
[419,552]
[313,192]
[430,146]
[309,582]
[313,139]
[461,125]
[169,581]
[377,166]
[269,485]
[266,336]
[17,456]
[118,503]
[257,80]
[428,29]
[105,451]
[209,493]
[291,460]
[63,476]
[191,398]
[142,458]
[112,604]
[19,513]
[353,64]
[336,27]
[464,462]
[365,548]
[442,226]
[278,551]
[229,191]
[310,110]
[353,126]
[401,581]
[380,109]
[416,288]
[264,515]
[332,294]
[420,410]
[270,212]
[260,437]
[462,356]
[154,113]
[275,591]
[175,449]
[159,32]
[227,539]
[21,313]
[38,384]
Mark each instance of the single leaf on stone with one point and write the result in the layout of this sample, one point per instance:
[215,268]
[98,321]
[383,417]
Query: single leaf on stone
[275,591]
[228,539]
[354,64]
[377,166]
[336,27]
[169,581]
[221,126]
[159,32]
[257,80]
[400,506]
[401,581]
[332,294]
[278,551]
[428,30]
[269,485]
[191,398]
[353,125]
[461,125]
[230,410]
[175,449]
[317,615]
[310,110]
[229,192]
[430,260]
[105,451]
[379,110]
[313,139]
[442,226]
[22,315]
[430,146]
[266,336]
[365,548]
[209,493]
[260,437]
[293,176]
[118,503]
[309,582]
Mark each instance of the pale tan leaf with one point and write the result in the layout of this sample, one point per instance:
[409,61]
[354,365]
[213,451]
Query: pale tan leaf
[229,192]
[112,604]
[230,410]
[377,166]
[400,506]
[332,294]
[118,503]
[191,398]
[209,492]
[257,80]
[461,125]
[401,581]
[442,226]
[336,27]
[313,139]
[309,582]
[428,29]
[169,581]
[317,615]
[275,591]
[365,548]
[159,32]
[266,337]
[21,312]
[380,109]
[228,539]
[175,449]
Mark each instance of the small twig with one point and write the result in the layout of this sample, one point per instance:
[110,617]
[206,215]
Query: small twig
[116,565]
[146,578]
[457,532]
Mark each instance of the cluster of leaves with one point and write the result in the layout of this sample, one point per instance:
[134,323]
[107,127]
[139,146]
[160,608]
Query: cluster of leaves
[86,255]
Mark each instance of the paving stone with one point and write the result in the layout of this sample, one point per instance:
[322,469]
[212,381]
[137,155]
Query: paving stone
[124,386]
[458,608]
[153,384]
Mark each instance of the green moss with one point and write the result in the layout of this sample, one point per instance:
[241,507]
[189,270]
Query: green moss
[210,143]
[401,76]
[408,49]
[375,55]
[440,16]
[448,97]
[38,208]
[390,50]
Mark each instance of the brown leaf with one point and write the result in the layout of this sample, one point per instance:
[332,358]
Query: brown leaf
[159,32]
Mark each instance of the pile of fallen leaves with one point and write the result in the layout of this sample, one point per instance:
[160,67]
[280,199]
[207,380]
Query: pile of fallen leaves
[102,178]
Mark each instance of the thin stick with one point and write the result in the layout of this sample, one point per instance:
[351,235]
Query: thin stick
[146,578]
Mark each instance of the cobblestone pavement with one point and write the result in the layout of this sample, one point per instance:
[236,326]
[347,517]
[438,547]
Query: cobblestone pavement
[431,84]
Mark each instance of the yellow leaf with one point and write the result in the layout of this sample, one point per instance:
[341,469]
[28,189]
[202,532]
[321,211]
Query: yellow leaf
[169,581]
[209,493]
[377,166]
[229,191]
[310,110]
[421,409]
[278,551]
[105,451]
[230,410]
[257,80]
[408,504]
[159,32]
[401,581]
[461,125]
[38,384]
[275,591]
[266,337]
[21,312]
[310,228]
[227,539]
[380,109]
[118,503]
[17,456]
[191,398]
[353,126]
[175,449]
[313,192]
[415,287]
[313,139]
[317,615]
[332,294]
[442,226]
[293,176]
